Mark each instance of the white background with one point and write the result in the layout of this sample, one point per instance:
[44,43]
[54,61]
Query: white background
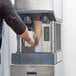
[69,37]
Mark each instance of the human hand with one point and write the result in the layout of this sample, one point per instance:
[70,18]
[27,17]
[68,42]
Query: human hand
[27,37]
[38,31]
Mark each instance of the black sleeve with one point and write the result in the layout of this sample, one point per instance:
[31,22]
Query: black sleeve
[12,18]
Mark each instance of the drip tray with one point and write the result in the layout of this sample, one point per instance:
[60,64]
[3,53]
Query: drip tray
[34,58]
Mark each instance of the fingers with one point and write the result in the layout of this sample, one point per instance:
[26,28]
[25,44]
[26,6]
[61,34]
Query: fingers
[27,37]
[38,29]
[31,42]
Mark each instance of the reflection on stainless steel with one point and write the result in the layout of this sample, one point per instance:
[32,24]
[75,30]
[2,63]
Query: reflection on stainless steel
[39,70]
[33,4]
[53,5]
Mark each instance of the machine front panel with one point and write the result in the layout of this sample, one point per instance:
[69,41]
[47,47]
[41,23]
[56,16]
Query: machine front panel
[32,70]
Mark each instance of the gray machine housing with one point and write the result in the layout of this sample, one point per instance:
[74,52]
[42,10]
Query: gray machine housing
[55,37]
[47,62]
[40,63]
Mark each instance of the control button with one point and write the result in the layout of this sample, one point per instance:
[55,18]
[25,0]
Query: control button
[27,20]
[45,19]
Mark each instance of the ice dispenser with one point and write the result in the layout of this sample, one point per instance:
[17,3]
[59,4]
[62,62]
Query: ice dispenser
[45,59]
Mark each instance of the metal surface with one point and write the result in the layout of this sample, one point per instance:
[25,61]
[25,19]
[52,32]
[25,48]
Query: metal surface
[34,4]
[34,58]
[53,5]
[22,70]
[46,44]
[33,13]
[58,9]
[37,70]
[51,37]
[56,36]
[59,56]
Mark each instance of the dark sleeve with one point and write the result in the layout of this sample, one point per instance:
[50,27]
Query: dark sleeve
[12,18]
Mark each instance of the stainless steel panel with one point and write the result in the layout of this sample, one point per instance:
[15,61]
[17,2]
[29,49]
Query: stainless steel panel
[56,36]
[18,70]
[59,69]
[46,44]
[59,56]
[54,5]
[50,40]
[34,4]
[34,58]
[53,36]
[58,9]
